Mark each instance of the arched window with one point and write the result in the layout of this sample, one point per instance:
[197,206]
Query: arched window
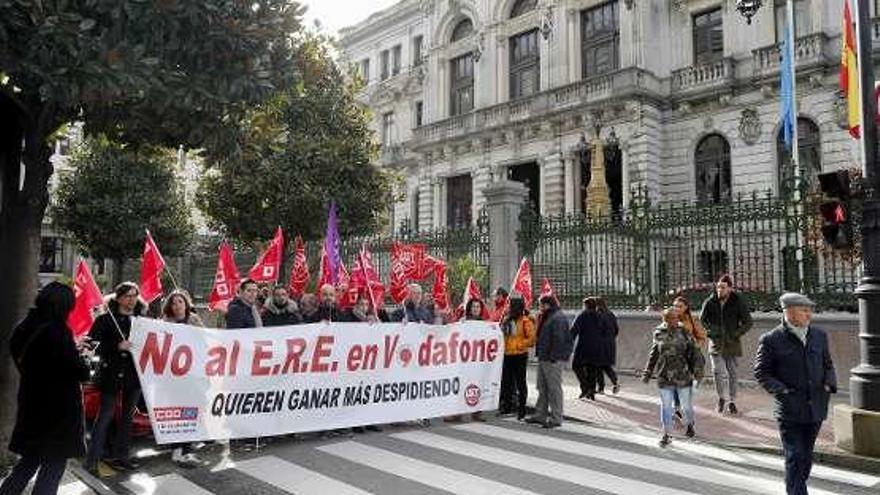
[809,145]
[462,30]
[712,159]
[521,7]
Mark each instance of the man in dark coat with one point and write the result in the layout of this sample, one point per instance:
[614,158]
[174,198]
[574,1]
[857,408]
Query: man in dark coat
[553,350]
[49,421]
[726,317]
[413,310]
[243,310]
[280,310]
[793,363]
[586,333]
[116,376]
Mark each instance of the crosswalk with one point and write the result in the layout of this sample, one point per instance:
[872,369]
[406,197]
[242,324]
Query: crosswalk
[498,457]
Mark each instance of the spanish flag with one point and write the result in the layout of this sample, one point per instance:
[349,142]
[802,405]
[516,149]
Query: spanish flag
[849,73]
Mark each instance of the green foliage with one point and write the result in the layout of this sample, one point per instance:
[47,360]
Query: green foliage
[164,71]
[307,145]
[114,192]
[462,268]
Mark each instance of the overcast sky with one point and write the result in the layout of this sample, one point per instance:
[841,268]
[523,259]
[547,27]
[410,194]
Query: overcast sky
[337,14]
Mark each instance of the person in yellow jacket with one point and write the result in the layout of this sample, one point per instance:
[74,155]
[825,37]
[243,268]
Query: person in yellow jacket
[519,335]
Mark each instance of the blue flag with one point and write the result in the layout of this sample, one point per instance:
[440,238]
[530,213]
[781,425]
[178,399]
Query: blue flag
[786,91]
[331,244]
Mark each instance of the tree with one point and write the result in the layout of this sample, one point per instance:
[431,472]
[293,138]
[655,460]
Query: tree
[460,270]
[307,145]
[123,190]
[164,72]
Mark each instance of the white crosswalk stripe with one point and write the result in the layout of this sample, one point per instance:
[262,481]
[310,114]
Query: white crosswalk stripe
[557,470]
[169,484]
[426,473]
[294,479]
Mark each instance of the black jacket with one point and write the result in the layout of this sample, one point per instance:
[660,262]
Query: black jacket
[117,367]
[796,374]
[49,421]
[240,315]
[595,333]
[414,314]
[276,317]
[726,323]
[554,338]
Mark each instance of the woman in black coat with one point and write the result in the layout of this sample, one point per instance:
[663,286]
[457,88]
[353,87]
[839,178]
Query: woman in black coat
[587,333]
[49,423]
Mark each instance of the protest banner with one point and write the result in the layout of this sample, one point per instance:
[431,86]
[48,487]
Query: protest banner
[210,384]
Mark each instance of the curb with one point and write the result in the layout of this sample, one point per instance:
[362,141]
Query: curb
[90,481]
[853,462]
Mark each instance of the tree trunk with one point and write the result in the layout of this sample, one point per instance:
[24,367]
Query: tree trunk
[22,206]
[118,265]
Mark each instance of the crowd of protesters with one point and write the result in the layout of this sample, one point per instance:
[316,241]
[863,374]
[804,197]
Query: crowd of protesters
[49,427]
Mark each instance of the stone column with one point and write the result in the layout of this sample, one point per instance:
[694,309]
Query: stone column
[425,218]
[504,200]
[569,184]
[553,187]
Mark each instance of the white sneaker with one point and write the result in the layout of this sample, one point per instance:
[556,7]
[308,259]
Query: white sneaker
[188,460]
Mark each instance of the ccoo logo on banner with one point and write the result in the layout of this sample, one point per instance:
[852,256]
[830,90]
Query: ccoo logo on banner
[209,384]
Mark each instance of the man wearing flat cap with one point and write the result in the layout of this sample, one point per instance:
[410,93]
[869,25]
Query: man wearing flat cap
[793,364]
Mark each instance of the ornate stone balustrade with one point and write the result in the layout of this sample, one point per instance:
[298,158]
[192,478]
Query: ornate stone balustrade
[809,51]
[710,75]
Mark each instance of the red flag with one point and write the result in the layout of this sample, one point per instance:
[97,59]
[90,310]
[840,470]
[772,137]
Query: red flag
[226,279]
[365,277]
[346,295]
[268,266]
[440,291]
[547,290]
[324,277]
[299,274]
[500,309]
[522,282]
[471,291]
[151,269]
[88,296]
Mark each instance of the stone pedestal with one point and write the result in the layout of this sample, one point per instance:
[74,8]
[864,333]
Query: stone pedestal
[857,430]
[504,201]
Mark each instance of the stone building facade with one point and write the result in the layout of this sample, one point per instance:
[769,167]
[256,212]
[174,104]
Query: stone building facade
[683,93]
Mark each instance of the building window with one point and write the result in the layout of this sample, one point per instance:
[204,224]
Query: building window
[521,7]
[51,254]
[387,128]
[711,264]
[600,40]
[809,156]
[708,34]
[529,174]
[385,62]
[462,84]
[419,109]
[414,212]
[418,41]
[802,24]
[462,30]
[713,169]
[395,60]
[365,69]
[525,68]
[459,197]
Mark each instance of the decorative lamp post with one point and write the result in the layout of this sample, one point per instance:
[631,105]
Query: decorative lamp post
[748,8]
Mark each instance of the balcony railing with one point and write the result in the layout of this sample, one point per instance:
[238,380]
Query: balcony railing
[809,51]
[708,75]
[587,91]
[392,153]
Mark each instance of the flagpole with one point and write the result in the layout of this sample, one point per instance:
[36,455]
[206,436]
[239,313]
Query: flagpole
[795,149]
[367,281]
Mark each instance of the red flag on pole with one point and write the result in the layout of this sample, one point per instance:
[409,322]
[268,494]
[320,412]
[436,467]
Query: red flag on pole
[268,266]
[365,277]
[346,296]
[299,274]
[151,270]
[226,280]
[522,282]
[547,290]
[440,291]
[471,291]
[88,297]
[324,277]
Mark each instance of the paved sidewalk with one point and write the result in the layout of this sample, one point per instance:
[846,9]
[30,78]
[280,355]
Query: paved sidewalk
[637,406]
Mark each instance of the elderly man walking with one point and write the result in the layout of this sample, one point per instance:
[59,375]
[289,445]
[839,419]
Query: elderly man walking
[553,349]
[793,364]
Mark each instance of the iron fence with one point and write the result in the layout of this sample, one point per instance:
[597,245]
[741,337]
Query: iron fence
[768,243]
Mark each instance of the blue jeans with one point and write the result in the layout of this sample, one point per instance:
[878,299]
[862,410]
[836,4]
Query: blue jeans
[667,400]
[797,445]
[51,470]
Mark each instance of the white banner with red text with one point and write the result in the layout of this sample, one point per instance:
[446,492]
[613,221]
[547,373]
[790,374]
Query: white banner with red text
[210,384]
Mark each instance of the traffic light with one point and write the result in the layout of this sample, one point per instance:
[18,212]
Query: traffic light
[837,229]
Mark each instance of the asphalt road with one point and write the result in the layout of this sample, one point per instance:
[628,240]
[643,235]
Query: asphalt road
[498,457]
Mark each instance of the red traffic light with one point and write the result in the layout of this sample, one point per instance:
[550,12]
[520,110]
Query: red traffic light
[834,212]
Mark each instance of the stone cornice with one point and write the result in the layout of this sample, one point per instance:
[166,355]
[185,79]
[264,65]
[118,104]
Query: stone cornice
[389,18]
